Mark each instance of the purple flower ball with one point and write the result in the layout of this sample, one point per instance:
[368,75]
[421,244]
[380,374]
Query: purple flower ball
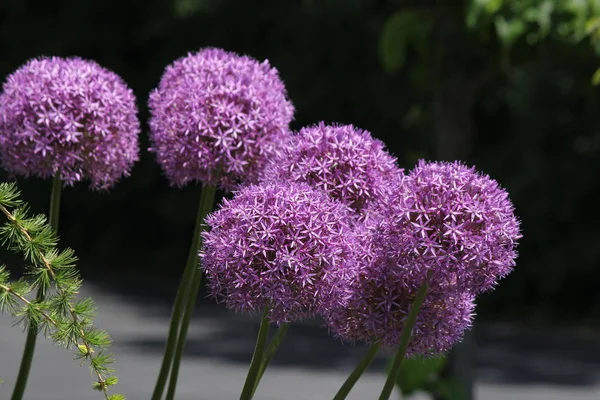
[381,301]
[286,247]
[451,225]
[216,116]
[69,117]
[344,161]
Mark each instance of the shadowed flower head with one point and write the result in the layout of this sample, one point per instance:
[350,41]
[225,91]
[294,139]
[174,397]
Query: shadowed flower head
[381,302]
[344,161]
[216,116]
[71,117]
[453,224]
[283,246]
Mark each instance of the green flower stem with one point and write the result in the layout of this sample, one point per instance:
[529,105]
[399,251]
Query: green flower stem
[270,352]
[357,373]
[55,203]
[184,301]
[187,316]
[176,314]
[172,336]
[257,358]
[32,331]
[409,323]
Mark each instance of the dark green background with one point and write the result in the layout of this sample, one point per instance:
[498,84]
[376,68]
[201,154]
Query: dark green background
[532,122]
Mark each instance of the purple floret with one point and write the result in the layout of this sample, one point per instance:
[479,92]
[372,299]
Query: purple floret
[344,161]
[453,223]
[286,247]
[69,117]
[216,116]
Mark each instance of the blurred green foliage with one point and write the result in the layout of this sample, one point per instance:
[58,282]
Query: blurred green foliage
[505,85]
[423,375]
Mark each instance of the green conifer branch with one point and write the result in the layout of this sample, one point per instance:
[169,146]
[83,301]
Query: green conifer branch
[59,315]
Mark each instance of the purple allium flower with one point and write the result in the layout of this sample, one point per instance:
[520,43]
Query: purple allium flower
[284,246]
[381,302]
[446,225]
[216,116]
[344,161]
[71,117]
[452,223]
[381,296]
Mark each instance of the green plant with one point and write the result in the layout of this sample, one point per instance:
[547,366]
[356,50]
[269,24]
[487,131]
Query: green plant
[425,375]
[58,313]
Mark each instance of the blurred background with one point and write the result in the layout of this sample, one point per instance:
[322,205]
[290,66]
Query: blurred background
[508,86]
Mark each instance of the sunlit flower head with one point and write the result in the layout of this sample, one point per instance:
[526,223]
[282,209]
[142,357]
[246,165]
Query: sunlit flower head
[453,224]
[344,161]
[216,116]
[69,117]
[286,247]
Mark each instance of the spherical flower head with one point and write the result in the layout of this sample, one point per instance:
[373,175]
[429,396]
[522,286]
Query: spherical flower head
[451,225]
[69,117]
[216,116]
[380,303]
[286,247]
[344,161]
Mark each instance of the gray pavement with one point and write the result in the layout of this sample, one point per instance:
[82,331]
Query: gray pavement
[512,362]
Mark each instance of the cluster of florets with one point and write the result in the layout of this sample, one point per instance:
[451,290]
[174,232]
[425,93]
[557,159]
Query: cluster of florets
[216,116]
[452,223]
[344,161]
[379,307]
[381,297]
[446,225]
[68,117]
[286,247]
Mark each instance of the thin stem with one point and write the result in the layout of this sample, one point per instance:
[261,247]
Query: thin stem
[183,335]
[257,357]
[32,331]
[357,373]
[176,315]
[55,202]
[186,297]
[409,323]
[270,352]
